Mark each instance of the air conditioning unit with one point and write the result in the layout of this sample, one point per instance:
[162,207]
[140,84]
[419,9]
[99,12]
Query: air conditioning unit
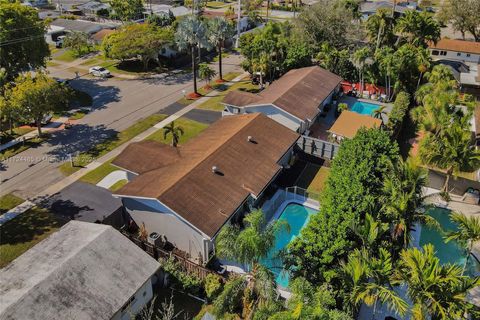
[155,239]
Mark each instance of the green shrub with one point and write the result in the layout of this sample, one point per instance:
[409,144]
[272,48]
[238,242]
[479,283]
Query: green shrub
[187,281]
[213,286]
[230,300]
[396,117]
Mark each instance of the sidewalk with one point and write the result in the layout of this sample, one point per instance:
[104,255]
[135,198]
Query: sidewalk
[112,154]
[32,134]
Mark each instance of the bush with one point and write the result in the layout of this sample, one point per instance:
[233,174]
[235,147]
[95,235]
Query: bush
[396,117]
[213,286]
[230,300]
[188,282]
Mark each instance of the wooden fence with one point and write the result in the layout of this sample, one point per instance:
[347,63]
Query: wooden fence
[318,148]
[157,253]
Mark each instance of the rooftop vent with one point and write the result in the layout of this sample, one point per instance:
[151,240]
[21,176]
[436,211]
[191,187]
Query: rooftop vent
[217,171]
[250,139]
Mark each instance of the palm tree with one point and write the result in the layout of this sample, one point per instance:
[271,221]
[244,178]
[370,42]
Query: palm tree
[260,65]
[386,60]
[248,246]
[468,232]
[451,150]
[206,73]
[369,232]
[219,30]
[369,279]
[378,113]
[436,291]
[191,34]
[418,28]
[379,27]
[360,60]
[424,61]
[174,131]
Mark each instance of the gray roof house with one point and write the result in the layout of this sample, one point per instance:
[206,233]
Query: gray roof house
[81,25]
[83,271]
[92,7]
[369,8]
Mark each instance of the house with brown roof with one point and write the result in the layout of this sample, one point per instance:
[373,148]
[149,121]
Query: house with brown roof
[455,50]
[187,193]
[295,100]
[349,122]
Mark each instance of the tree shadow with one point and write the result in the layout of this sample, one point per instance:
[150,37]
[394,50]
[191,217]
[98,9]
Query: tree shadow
[80,138]
[101,93]
[169,78]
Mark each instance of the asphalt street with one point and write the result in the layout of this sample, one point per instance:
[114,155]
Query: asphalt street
[117,104]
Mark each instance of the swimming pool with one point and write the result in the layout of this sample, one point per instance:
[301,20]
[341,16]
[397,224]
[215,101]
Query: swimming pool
[364,107]
[450,252]
[297,217]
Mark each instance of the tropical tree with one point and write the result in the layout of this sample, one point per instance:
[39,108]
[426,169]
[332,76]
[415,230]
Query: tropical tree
[161,20]
[379,113]
[191,33]
[78,42]
[127,10]
[22,38]
[452,151]
[336,61]
[369,279]
[418,28]
[219,31]
[398,113]
[260,65]
[424,62]
[205,72]
[468,232]
[464,15]
[248,246]
[380,29]
[387,66]
[175,131]
[361,58]
[436,291]
[34,96]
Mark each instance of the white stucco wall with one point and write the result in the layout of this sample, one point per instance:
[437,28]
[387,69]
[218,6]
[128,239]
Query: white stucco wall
[160,219]
[140,299]
[455,56]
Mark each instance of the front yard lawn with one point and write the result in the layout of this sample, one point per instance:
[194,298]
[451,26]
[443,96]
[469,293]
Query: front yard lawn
[111,143]
[66,56]
[191,129]
[25,231]
[318,183]
[214,103]
[117,185]
[95,176]
[20,147]
[9,201]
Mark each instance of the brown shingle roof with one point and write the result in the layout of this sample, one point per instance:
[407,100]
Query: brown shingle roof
[350,122]
[298,92]
[102,34]
[206,199]
[457,45]
[146,155]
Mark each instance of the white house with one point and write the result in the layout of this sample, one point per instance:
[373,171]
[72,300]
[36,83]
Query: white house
[456,50]
[83,271]
[187,193]
[295,100]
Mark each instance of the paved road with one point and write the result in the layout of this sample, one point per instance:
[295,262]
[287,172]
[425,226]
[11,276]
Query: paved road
[117,105]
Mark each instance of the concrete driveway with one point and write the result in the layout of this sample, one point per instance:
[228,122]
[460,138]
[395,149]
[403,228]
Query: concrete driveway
[117,104]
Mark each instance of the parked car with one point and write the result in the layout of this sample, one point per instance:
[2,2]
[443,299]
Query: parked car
[98,71]
[59,42]
[45,120]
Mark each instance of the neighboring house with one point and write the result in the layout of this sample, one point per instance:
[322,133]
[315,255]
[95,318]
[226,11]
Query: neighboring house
[369,8]
[100,35]
[87,27]
[349,122]
[92,7]
[188,193]
[159,9]
[456,50]
[83,271]
[295,100]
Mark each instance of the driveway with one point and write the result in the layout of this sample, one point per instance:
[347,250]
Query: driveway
[117,104]
[83,201]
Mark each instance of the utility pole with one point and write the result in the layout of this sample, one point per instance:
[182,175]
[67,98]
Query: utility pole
[239,16]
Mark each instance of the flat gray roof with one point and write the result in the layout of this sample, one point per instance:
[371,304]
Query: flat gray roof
[83,271]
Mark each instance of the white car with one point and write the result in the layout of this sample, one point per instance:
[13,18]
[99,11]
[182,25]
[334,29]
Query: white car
[98,71]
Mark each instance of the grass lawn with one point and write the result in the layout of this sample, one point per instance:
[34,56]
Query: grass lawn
[95,176]
[20,147]
[214,103]
[117,185]
[66,56]
[17,132]
[9,201]
[52,64]
[191,129]
[23,232]
[111,143]
[318,183]
[216,4]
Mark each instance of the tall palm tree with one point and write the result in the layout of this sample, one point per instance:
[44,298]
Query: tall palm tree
[468,232]
[369,232]
[174,131]
[248,246]
[436,291]
[369,279]
[261,65]
[219,30]
[360,60]
[452,150]
[380,28]
[386,60]
[418,28]
[424,62]
[191,34]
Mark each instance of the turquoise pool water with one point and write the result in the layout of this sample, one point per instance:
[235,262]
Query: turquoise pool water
[364,108]
[450,252]
[297,217]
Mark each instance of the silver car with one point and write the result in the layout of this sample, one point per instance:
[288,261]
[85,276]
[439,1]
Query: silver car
[98,71]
